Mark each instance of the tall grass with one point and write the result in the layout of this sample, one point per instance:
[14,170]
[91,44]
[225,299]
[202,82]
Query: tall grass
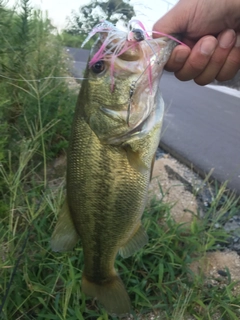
[36,104]
[31,65]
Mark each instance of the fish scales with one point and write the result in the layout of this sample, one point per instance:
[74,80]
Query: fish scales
[115,134]
[113,187]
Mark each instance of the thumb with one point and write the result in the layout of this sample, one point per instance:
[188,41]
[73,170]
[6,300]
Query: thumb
[173,22]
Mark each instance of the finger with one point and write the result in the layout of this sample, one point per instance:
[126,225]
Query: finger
[232,64]
[178,58]
[226,40]
[199,58]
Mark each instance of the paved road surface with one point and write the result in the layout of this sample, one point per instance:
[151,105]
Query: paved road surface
[202,128]
[201,125]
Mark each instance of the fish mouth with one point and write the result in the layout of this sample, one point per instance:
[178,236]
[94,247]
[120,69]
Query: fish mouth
[115,115]
[118,140]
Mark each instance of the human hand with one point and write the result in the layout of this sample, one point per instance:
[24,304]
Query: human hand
[210,29]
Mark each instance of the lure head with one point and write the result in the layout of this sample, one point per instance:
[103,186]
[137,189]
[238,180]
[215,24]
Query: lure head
[122,86]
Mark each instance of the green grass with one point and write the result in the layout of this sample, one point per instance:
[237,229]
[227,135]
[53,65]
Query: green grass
[46,285]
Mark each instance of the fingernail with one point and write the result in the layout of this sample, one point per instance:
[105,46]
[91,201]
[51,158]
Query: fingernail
[208,46]
[237,43]
[227,38]
[181,56]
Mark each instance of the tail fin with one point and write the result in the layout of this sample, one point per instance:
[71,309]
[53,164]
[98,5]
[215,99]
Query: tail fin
[111,294]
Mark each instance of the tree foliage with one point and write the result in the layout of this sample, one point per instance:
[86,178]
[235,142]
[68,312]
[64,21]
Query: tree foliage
[90,15]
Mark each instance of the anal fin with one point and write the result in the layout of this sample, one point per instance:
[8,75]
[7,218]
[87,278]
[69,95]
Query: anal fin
[64,235]
[136,242]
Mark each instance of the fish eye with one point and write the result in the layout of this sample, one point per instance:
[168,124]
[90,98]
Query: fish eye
[98,67]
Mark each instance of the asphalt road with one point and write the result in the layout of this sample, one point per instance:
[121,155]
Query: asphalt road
[201,126]
[202,129]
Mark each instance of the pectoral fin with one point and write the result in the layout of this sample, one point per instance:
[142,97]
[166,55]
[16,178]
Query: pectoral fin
[136,242]
[135,160]
[64,236]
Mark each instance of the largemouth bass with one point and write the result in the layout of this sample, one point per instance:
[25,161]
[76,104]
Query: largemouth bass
[115,134]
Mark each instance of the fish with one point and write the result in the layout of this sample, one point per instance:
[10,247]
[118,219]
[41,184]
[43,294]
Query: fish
[115,134]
